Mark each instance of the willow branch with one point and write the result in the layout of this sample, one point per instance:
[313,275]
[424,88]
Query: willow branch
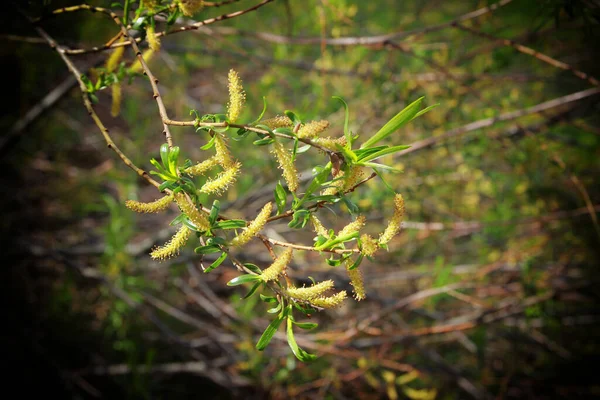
[90,109]
[529,51]
[193,26]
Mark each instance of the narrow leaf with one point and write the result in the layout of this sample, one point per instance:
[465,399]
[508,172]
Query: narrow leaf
[395,123]
[269,333]
[240,280]
[216,263]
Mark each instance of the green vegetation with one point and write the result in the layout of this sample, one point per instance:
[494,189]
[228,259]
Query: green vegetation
[482,115]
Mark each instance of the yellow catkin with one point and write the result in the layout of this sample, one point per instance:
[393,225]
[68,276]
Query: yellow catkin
[330,143]
[237,96]
[319,228]
[115,58]
[150,4]
[331,301]
[222,152]
[284,158]
[153,41]
[222,181]
[346,180]
[116,91]
[312,129]
[309,293]
[395,222]
[190,7]
[197,217]
[335,185]
[278,266]
[352,227]
[255,226]
[280,121]
[202,167]
[369,245]
[171,248]
[136,66]
[152,207]
[356,280]
[352,177]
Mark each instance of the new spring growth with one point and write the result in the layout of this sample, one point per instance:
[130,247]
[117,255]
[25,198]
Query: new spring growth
[330,143]
[352,227]
[115,58]
[136,66]
[222,152]
[331,301]
[237,97]
[190,7]
[197,217]
[346,180]
[222,181]
[356,280]
[311,292]
[152,207]
[319,228]
[368,245]
[153,41]
[116,92]
[278,266]
[395,223]
[171,248]
[280,121]
[284,158]
[255,226]
[312,129]
[202,167]
[111,65]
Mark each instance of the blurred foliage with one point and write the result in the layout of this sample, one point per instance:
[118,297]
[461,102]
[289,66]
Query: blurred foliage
[513,179]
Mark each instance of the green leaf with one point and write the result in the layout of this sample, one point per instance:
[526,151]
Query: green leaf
[299,219]
[321,176]
[164,155]
[402,118]
[274,310]
[230,224]
[426,109]
[280,197]
[352,207]
[306,325]
[332,242]
[382,166]
[268,299]
[214,212]
[347,133]
[167,185]
[240,280]
[269,332]
[252,290]
[291,115]
[263,142]
[356,263]
[207,249]
[216,263]
[387,185]
[262,113]
[216,241]
[173,160]
[298,352]
[210,144]
[284,130]
[253,268]
[383,152]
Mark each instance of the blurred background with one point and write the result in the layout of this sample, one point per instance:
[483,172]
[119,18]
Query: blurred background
[488,292]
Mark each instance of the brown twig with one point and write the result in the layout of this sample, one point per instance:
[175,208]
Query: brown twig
[529,51]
